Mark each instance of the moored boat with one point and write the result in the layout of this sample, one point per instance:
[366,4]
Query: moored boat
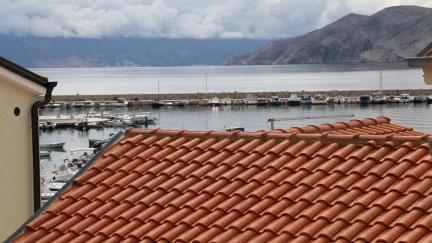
[364,100]
[275,101]
[293,100]
[262,101]
[319,100]
[306,99]
[406,98]
[215,101]
[52,145]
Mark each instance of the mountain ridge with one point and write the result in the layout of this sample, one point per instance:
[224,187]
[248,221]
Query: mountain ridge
[42,52]
[388,36]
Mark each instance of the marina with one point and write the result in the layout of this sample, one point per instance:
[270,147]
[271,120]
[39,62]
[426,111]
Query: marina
[270,98]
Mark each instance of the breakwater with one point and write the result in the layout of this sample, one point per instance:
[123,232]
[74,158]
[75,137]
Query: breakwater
[237,95]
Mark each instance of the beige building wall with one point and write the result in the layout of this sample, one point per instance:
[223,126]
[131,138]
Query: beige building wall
[427,73]
[16,186]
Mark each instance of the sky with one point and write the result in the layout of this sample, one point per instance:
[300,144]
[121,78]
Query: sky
[180,18]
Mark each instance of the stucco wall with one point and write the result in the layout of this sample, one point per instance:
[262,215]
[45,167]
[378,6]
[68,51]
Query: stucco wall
[16,189]
[427,74]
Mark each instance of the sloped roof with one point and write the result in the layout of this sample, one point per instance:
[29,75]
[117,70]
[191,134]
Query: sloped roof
[23,72]
[427,51]
[267,186]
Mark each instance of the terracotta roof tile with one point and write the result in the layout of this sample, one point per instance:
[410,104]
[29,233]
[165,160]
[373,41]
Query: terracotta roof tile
[363,180]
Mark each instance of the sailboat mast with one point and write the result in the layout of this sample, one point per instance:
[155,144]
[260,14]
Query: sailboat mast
[206,82]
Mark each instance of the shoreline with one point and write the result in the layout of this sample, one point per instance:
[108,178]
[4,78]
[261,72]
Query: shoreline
[235,95]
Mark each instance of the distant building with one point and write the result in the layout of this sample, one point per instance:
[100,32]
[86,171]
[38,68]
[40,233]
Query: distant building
[20,98]
[423,60]
[359,181]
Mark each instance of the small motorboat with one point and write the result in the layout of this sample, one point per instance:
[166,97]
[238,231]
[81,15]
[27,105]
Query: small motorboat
[99,104]
[77,104]
[52,145]
[293,100]
[57,184]
[88,103]
[250,100]
[180,103]
[142,119]
[215,102]
[364,100]
[157,104]
[378,99]
[275,101]
[418,99]
[44,154]
[306,99]
[45,196]
[121,102]
[392,99]
[232,129]
[114,123]
[319,100]
[262,101]
[406,98]
[429,100]
[47,125]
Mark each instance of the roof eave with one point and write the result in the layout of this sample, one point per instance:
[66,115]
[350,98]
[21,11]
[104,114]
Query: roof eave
[419,61]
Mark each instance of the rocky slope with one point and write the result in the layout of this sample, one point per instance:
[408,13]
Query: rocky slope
[119,52]
[386,36]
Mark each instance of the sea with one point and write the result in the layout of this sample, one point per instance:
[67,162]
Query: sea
[194,79]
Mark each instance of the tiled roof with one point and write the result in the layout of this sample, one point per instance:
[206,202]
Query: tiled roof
[159,185]
[368,126]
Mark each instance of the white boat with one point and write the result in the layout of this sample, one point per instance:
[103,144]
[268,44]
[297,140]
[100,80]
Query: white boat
[319,100]
[88,103]
[180,103]
[44,154]
[114,123]
[52,145]
[47,125]
[250,100]
[293,100]
[406,98]
[142,119]
[392,99]
[275,101]
[47,195]
[215,101]
[56,185]
[77,104]
[226,101]
[99,104]
[121,102]
[306,99]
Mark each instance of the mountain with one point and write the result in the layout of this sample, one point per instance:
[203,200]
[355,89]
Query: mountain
[113,52]
[386,36]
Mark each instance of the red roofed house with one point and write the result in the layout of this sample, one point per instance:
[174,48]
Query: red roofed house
[20,98]
[364,180]
[423,60]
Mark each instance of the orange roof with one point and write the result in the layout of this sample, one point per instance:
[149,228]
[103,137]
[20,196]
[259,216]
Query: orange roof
[278,186]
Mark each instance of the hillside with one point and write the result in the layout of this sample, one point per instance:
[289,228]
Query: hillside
[386,36]
[115,52]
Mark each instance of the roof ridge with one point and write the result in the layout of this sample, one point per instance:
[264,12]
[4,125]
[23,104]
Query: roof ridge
[360,138]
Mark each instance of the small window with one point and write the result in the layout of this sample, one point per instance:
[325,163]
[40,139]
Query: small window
[17,111]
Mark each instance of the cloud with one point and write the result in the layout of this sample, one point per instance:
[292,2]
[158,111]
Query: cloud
[179,18]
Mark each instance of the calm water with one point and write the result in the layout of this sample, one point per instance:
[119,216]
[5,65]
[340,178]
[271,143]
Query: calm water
[238,78]
[250,117]
[231,78]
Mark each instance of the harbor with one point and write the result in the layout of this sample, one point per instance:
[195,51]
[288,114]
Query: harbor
[245,98]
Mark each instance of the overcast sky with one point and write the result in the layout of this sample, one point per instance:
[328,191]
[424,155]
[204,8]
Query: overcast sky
[180,18]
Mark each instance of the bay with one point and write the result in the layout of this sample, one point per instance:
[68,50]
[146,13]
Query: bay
[192,79]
